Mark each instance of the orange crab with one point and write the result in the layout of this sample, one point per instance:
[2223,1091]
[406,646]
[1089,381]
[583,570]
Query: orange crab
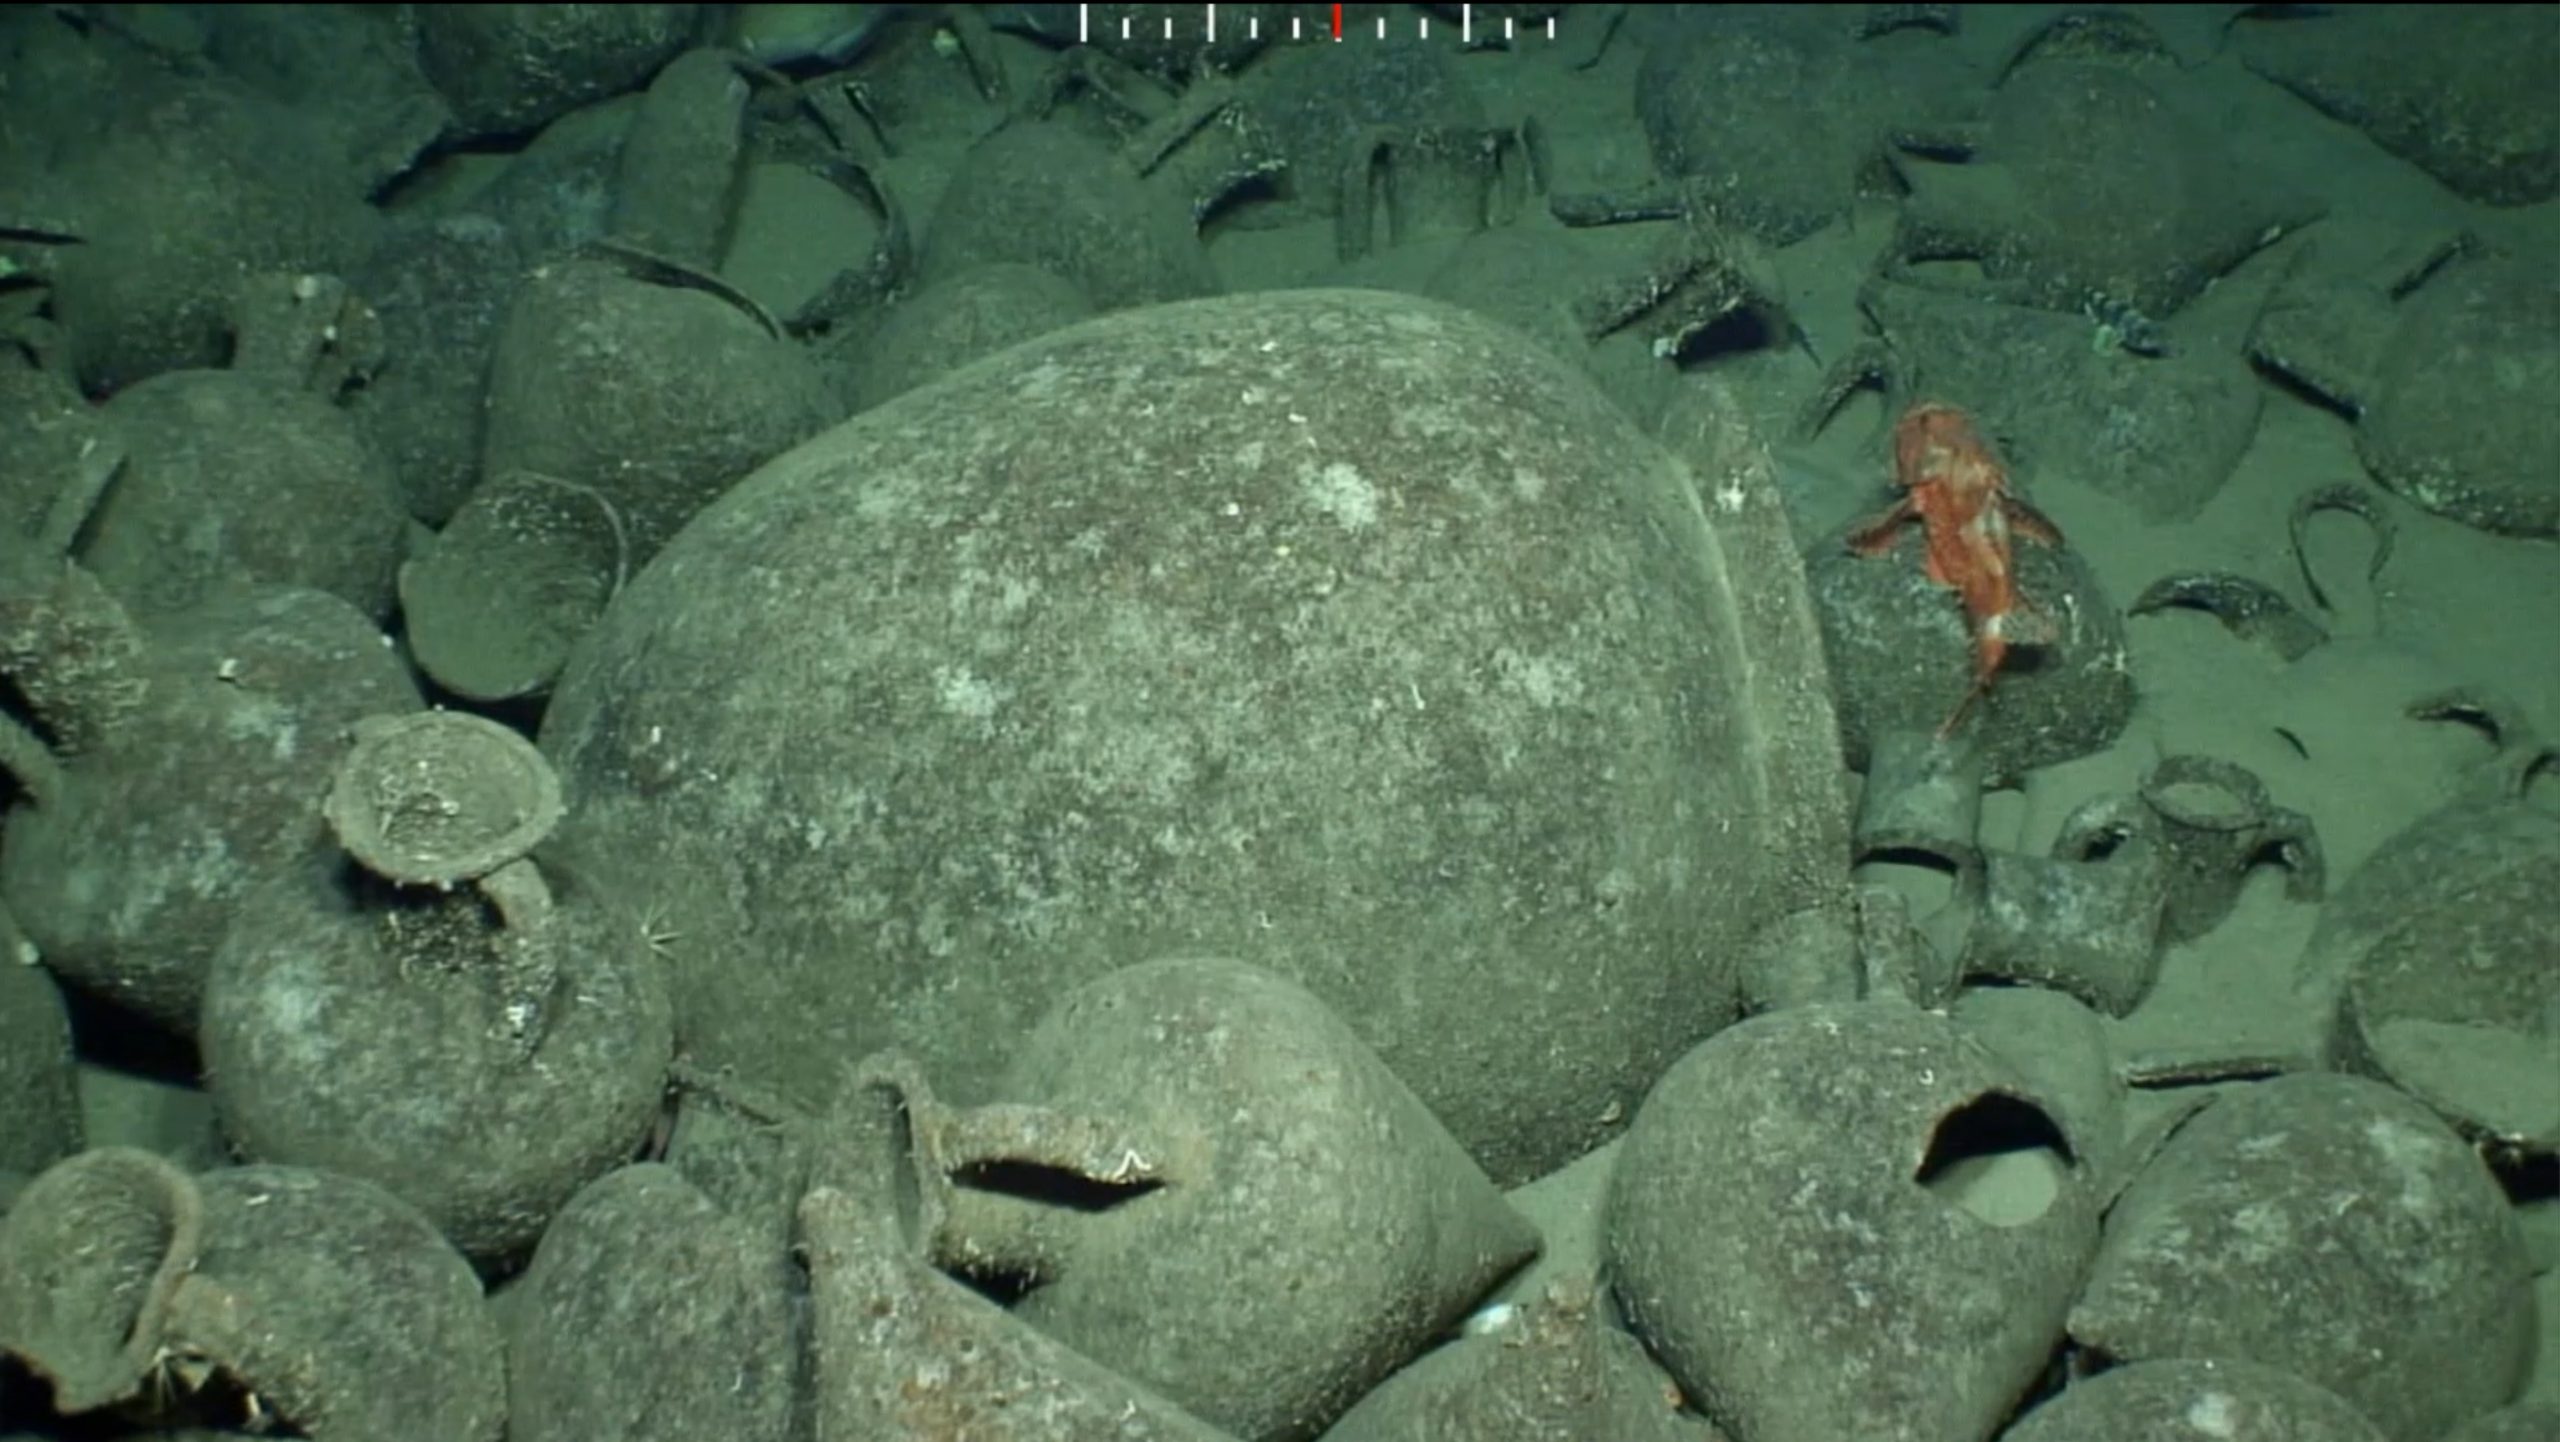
[1953,485]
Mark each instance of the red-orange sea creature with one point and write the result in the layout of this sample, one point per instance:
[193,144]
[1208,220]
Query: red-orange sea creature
[1953,485]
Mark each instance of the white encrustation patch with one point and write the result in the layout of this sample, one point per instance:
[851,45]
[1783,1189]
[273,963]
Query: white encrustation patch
[1487,1321]
[1543,679]
[963,692]
[2211,1415]
[1340,491]
[2406,1152]
[1038,382]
